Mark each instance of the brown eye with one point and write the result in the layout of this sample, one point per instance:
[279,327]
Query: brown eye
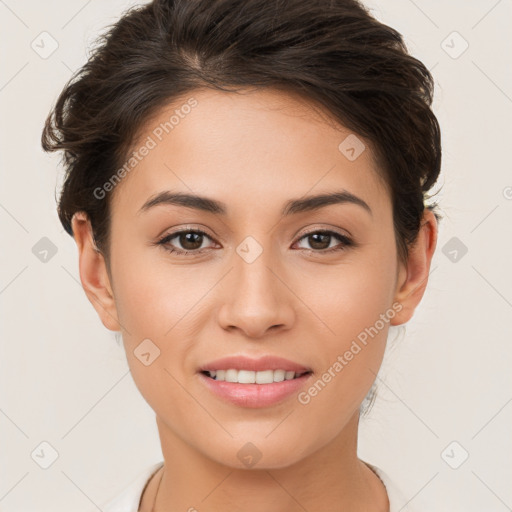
[190,240]
[320,241]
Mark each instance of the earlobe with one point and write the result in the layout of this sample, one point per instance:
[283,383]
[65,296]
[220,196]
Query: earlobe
[93,272]
[413,276]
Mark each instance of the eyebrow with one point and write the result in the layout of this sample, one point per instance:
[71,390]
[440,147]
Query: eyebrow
[293,206]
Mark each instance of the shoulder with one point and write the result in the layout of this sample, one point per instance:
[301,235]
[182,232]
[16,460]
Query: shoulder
[128,499]
[397,499]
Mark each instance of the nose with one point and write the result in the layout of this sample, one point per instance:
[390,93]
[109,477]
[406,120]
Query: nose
[256,299]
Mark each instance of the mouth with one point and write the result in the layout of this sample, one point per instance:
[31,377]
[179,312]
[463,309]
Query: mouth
[253,377]
[254,389]
[247,382]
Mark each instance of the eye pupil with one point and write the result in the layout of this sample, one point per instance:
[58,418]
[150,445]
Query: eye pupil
[191,238]
[319,244]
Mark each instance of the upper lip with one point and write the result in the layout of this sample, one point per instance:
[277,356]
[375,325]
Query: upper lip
[247,363]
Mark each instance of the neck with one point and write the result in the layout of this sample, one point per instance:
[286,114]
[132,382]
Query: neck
[331,478]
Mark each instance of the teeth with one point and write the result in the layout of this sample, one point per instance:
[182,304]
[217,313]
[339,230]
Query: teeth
[280,374]
[250,377]
[244,376]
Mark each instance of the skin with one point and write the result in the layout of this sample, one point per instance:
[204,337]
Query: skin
[254,151]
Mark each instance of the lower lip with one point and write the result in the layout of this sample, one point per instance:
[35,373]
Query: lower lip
[255,395]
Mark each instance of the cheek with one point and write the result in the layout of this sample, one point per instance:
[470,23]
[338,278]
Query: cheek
[152,296]
[355,308]
[159,301]
[351,297]
[154,305]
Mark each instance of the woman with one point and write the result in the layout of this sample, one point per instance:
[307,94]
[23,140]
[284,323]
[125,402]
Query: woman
[246,185]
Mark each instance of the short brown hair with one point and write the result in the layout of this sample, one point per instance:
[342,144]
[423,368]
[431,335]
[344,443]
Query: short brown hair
[330,51]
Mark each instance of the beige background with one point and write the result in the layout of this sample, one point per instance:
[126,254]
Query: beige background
[64,379]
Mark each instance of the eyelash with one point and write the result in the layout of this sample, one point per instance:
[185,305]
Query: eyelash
[345,241]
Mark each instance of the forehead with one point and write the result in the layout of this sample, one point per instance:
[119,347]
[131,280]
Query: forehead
[249,148]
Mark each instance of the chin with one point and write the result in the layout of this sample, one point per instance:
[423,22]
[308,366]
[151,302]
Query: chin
[260,453]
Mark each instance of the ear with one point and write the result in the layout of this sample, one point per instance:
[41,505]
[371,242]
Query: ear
[93,272]
[413,275]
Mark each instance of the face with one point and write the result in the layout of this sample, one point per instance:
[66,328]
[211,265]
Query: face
[267,272]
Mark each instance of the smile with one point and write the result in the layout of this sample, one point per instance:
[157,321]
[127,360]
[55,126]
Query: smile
[253,377]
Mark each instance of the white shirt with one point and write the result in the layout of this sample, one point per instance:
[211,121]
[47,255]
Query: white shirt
[129,499]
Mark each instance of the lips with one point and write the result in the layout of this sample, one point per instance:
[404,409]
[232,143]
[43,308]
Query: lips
[250,383]
[255,395]
[255,365]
